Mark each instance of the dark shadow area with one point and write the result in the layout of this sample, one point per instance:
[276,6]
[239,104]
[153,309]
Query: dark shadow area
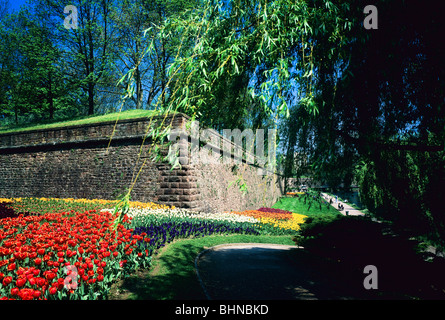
[154,285]
[274,274]
[340,251]
[6,211]
[331,266]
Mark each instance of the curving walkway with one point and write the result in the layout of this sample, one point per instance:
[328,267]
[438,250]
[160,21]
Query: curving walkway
[351,211]
[247,271]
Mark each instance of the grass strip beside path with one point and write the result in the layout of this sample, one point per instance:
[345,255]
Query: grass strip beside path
[172,275]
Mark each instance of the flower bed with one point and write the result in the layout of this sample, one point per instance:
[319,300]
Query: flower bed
[273,210]
[55,251]
[294,194]
[281,219]
[65,255]
[55,205]
[166,232]
[166,225]
[292,223]
[265,214]
[176,213]
[267,221]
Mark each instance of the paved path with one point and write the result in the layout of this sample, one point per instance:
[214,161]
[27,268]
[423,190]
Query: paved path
[259,272]
[351,211]
[247,271]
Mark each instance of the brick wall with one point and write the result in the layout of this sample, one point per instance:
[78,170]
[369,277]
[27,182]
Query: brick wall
[74,162]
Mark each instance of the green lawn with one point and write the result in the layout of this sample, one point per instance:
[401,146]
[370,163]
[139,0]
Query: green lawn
[297,205]
[172,275]
[129,114]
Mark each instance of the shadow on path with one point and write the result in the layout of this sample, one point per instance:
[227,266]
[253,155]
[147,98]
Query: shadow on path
[264,272]
[277,272]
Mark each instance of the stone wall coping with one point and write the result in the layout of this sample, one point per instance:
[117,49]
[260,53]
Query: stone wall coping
[68,144]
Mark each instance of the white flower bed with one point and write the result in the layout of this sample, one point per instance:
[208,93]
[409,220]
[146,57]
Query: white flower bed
[185,213]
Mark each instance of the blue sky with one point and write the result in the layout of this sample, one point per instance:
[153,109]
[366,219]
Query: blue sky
[15,4]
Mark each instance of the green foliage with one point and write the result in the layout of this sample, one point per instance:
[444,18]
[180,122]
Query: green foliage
[241,183]
[121,209]
[405,187]
[340,94]
[32,82]
[314,227]
[142,56]
[247,46]
[379,110]
[339,237]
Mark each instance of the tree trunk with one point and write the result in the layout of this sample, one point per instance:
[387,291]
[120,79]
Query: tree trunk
[91,62]
[90,98]
[50,97]
[137,75]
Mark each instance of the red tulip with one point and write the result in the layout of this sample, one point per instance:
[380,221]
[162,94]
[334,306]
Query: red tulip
[14,291]
[50,275]
[41,282]
[20,282]
[26,294]
[36,293]
[7,280]
[49,240]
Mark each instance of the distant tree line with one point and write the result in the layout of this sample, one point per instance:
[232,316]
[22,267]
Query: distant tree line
[48,71]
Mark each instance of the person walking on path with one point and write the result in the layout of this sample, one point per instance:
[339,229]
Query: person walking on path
[346,209]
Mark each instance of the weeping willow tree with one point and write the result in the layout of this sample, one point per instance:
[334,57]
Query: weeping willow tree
[361,102]
[351,98]
[350,95]
[264,46]
[381,116]
[237,62]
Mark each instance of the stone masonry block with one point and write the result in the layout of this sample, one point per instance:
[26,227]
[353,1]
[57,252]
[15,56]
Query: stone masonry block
[187,185]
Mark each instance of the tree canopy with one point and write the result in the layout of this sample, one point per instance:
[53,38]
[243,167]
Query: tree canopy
[364,105]
[352,104]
